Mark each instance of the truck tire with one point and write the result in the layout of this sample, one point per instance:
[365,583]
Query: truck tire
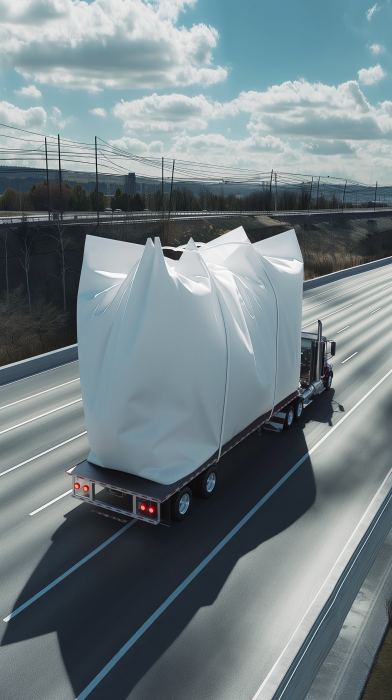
[328,383]
[181,503]
[298,409]
[288,421]
[206,483]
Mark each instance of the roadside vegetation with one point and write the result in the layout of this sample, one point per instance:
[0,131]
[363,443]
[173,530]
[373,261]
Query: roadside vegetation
[379,685]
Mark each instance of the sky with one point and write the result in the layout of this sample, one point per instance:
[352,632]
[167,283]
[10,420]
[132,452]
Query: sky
[300,87]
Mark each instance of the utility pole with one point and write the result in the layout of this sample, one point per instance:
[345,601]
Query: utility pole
[96,178]
[344,195]
[171,188]
[375,198]
[318,187]
[276,193]
[163,215]
[61,192]
[270,197]
[310,195]
[47,176]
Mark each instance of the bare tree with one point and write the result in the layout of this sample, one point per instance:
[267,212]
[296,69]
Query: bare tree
[62,245]
[26,240]
[5,241]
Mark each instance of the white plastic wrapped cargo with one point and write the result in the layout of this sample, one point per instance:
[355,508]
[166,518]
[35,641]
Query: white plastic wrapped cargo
[178,357]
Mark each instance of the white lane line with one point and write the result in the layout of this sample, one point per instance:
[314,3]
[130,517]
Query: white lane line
[67,573]
[347,283]
[42,372]
[39,393]
[342,329]
[50,502]
[37,417]
[11,469]
[349,358]
[373,312]
[84,694]
[323,317]
[308,308]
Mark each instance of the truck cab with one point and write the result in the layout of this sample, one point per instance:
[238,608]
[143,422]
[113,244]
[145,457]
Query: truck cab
[315,365]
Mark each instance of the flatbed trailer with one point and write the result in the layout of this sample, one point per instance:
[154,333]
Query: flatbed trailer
[147,500]
[157,503]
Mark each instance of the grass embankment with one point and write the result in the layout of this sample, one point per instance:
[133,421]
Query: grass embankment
[379,685]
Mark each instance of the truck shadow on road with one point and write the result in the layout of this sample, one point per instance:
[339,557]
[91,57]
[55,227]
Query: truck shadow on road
[191,649]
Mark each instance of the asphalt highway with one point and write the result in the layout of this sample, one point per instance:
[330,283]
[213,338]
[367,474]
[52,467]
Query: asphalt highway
[218,636]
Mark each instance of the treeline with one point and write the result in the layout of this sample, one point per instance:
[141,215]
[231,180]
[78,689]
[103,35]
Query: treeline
[77,199]
[69,199]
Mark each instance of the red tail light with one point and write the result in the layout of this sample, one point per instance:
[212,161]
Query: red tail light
[86,488]
[151,510]
[143,507]
[76,485]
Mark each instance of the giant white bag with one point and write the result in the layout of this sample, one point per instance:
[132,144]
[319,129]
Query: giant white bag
[178,357]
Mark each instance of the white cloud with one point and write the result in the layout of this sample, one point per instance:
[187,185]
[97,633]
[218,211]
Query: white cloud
[30,91]
[98,111]
[57,118]
[369,76]
[170,113]
[136,146]
[370,13]
[33,118]
[254,150]
[377,48]
[315,110]
[106,43]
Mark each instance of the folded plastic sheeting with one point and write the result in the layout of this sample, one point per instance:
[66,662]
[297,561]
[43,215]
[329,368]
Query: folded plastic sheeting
[178,356]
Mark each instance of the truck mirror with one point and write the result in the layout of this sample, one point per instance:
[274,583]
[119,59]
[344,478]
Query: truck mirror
[333,348]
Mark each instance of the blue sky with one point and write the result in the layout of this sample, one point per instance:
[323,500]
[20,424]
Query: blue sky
[298,87]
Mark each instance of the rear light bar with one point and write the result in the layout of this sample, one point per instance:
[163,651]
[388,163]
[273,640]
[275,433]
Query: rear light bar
[148,508]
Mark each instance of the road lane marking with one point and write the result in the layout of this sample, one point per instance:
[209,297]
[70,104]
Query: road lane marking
[70,571]
[342,329]
[313,296]
[323,317]
[349,358]
[39,393]
[37,417]
[373,312]
[50,502]
[11,469]
[124,649]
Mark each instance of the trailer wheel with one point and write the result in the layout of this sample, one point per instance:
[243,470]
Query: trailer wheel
[181,503]
[206,483]
[328,383]
[298,409]
[288,421]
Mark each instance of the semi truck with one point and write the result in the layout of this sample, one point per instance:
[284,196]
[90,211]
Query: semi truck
[113,477]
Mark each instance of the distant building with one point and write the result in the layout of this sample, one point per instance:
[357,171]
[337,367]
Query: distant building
[238,195]
[130,183]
